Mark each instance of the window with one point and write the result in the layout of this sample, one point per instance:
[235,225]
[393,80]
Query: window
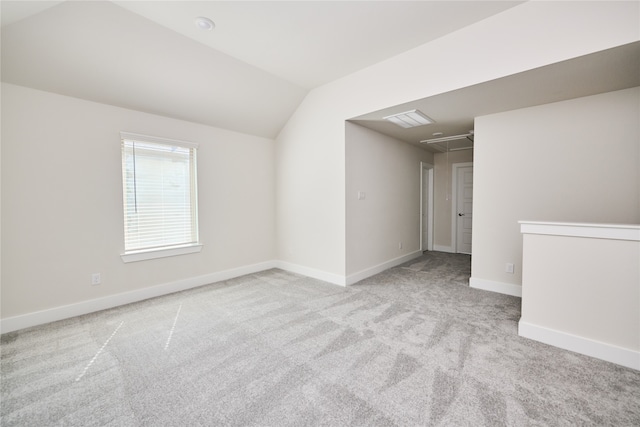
[160,197]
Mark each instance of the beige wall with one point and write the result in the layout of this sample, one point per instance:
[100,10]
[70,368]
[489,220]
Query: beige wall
[581,288]
[388,172]
[572,161]
[310,150]
[62,214]
[310,170]
[584,287]
[57,228]
[442,200]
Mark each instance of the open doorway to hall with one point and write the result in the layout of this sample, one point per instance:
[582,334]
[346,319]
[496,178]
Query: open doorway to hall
[426,206]
[459,200]
[446,202]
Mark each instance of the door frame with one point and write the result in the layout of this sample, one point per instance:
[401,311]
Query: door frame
[426,169]
[454,202]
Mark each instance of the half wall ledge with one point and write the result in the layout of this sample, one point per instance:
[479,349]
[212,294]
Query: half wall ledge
[581,288]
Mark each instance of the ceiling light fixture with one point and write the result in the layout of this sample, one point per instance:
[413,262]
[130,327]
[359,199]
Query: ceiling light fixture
[468,136]
[204,24]
[409,119]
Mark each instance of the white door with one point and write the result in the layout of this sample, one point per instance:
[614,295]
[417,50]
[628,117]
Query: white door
[464,204]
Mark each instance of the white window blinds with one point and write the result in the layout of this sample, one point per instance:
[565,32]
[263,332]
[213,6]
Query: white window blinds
[160,197]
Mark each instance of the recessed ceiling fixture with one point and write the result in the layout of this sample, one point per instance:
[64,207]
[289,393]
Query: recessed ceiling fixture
[410,119]
[468,136]
[204,24]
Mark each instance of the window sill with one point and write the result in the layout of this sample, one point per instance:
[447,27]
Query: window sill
[134,256]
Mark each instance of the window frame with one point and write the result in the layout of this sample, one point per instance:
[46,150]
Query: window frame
[161,251]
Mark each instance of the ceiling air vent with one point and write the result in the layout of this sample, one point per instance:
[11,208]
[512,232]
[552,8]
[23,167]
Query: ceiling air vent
[409,119]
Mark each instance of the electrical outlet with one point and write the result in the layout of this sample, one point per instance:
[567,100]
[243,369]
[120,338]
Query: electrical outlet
[400,245]
[96,279]
[509,268]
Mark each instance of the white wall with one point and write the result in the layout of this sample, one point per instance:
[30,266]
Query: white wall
[44,264]
[584,287]
[62,201]
[310,151]
[388,172]
[581,289]
[310,170]
[571,161]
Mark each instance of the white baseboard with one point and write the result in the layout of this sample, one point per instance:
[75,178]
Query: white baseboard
[599,350]
[372,271]
[336,279]
[15,323]
[499,287]
[64,312]
[440,248]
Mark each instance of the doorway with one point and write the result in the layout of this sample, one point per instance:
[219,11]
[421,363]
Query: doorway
[426,206]
[462,212]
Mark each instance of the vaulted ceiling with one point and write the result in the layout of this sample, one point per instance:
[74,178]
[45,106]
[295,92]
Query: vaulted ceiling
[251,71]
[248,74]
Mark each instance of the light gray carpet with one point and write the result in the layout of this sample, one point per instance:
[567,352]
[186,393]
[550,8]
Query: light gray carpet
[413,346]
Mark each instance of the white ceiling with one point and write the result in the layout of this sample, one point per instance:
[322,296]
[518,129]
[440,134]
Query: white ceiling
[309,43]
[454,112]
[252,71]
[249,74]
[101,52]
[14,11]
